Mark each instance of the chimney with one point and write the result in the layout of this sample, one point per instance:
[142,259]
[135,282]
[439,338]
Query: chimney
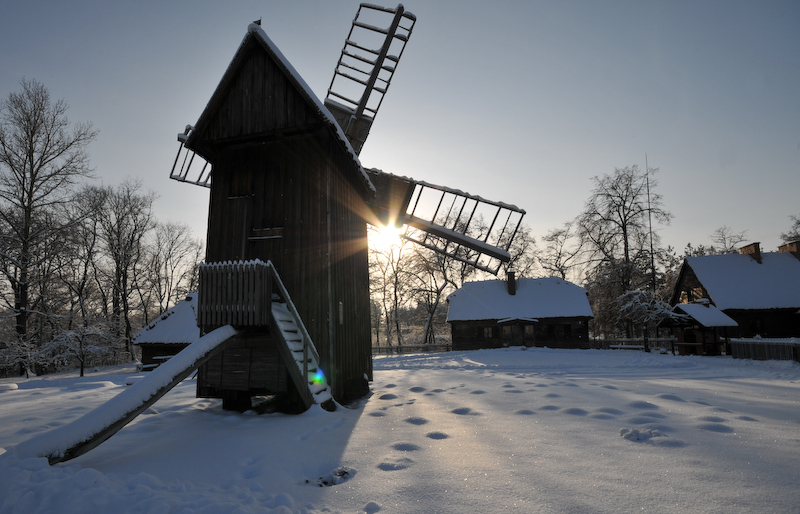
[753,250]
[792,248]
[512,282]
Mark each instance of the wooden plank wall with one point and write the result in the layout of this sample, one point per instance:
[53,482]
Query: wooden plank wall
[258,100]
[287,188]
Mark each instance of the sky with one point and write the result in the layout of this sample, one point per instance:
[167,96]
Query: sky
[520,102]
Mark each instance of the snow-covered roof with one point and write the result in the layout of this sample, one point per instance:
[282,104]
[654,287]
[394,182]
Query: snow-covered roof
[176,325]
[255,31]
[707,315]
[535,298]
[737,281]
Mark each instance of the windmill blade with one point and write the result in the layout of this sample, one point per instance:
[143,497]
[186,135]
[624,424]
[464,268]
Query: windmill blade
[462,226]
[367,63]
[187,163]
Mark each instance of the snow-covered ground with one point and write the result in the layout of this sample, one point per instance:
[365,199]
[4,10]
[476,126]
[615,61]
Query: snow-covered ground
[512,430]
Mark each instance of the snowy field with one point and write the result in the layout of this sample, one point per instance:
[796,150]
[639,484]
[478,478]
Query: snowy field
[512,430]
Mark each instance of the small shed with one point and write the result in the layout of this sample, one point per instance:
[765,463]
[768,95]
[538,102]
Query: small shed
[702,329]
[548,312]
[173,331]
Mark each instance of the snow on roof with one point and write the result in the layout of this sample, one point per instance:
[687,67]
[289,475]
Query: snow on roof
[255,30]
[176,325]
[536,298]
[706,314]
[737,281]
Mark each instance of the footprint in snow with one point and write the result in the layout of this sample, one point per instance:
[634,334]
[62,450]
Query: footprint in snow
[465,411]
[552,395]
[610,410]
[712,419]
[549,407]
[575,411]
[417,389]
[416,421]
[524,412]
[437,435]
[395,464]
[643,405]
[649,436]
[335,477]
[388,396]
[371,508]
[671,397]
[746,418]
[378,414]
[478,391]
[389,386]
[719,428]
[405,447]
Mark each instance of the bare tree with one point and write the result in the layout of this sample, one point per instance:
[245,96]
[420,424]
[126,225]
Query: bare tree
[125,221]
[174,255]
[42,156]
[726,240]
[561,252]
[794,231]
[615,232]
[389,284]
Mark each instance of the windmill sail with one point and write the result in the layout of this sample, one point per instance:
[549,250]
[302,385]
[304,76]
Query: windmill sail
[366,66]
[462,226]
[188,166]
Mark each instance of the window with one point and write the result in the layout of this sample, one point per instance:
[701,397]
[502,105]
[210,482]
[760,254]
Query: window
[487,332]
[529,330]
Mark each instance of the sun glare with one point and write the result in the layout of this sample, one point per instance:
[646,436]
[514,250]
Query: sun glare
[386,237]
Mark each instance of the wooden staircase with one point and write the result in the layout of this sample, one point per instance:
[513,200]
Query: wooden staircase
[306,374]
[252,294]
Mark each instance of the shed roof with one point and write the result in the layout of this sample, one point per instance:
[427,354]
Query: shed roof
[706,315]
[255,34]
[535,298]
[737,281]
[176,325]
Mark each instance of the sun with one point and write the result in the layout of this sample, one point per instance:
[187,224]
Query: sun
[386,237]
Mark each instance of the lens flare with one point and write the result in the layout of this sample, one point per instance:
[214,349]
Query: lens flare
[318,378]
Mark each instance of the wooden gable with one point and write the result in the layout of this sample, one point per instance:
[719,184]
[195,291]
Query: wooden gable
[256,101]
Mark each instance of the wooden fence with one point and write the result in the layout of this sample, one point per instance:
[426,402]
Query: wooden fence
[234,293]
[766,349]
[411,348]
[653,343]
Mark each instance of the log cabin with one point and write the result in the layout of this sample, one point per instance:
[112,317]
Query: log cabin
[759,292]
[548,312]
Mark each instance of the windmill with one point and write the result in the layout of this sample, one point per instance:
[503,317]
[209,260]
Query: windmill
[283,299]
[447,220]
[274,143]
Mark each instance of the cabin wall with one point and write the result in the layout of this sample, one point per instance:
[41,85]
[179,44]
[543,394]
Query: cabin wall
[552,332]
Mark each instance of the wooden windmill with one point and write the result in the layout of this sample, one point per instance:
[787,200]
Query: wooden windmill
[286,259]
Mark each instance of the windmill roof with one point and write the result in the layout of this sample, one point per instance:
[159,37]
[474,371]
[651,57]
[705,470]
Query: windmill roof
[737,281]
[706,315]
[257,34]
[535,298]
[175,325]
